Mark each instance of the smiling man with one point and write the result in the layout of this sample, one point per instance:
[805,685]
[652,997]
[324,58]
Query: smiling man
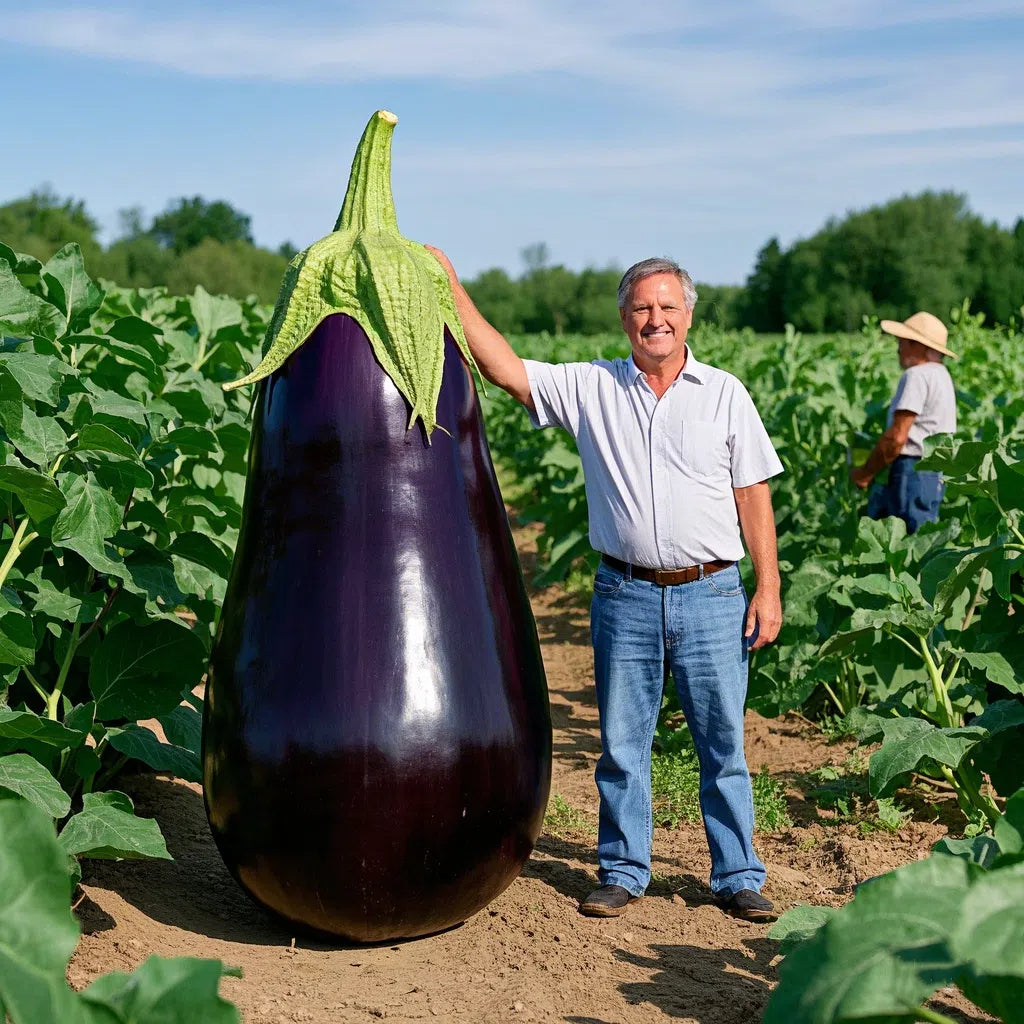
[676,462]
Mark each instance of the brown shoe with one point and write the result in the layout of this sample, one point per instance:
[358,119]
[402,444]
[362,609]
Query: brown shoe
[608,901]
[747,905]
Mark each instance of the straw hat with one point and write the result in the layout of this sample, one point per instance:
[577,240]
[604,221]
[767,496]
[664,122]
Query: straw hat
[922,327]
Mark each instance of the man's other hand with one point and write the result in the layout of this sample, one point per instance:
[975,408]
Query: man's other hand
[764,615]
[861,478]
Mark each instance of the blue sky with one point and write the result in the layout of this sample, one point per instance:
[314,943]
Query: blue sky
[610,131]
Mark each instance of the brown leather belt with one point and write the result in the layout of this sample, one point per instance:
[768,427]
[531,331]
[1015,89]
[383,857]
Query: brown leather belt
[666,577]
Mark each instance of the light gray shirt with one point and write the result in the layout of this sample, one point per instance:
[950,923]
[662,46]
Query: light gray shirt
[659,475]
[926,390]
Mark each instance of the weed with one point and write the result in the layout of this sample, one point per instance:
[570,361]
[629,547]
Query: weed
[843,789]
[561,817]
[770,814]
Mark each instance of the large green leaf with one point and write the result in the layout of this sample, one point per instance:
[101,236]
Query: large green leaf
[24,775]
[23,314]
[798,925]
[26,725]
[69,288]
[90,517]
[17,639]
[142,744]
[36,491]
[39,438]
[141,672]
[213,312]
[38,932]
[882,955]
[915,743]
[174,991]
[107,828]
[39,377]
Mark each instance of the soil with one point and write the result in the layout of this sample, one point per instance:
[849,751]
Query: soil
[529,956]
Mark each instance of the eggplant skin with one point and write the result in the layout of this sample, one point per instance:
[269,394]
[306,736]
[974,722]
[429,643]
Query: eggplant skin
[377,736]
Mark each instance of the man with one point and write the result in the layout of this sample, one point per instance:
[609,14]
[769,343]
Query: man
[924,404]
[675,461]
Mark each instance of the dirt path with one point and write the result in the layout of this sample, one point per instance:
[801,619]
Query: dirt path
[529,956]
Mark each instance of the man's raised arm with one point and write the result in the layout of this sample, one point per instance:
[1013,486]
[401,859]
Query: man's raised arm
[493,354]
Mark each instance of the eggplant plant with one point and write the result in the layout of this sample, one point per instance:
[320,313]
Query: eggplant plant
[120,484]
[955,918]
[377,741]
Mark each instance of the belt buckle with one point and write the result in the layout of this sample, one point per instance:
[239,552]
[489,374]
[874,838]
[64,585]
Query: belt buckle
[661,577]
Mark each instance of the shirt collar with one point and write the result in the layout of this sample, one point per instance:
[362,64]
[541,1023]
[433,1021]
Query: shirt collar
[693,370]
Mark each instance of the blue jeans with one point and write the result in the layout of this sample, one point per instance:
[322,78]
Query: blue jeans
[698,629]
[913,496]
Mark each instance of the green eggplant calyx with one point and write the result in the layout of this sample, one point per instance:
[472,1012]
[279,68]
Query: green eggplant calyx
[391,286]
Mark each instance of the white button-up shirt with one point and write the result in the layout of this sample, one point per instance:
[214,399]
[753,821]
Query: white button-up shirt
[659,475]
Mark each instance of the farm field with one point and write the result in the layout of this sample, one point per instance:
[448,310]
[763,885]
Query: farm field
[529,956]
[887,718]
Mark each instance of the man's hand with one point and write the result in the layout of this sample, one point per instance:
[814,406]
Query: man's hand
[444,261]
[861,477]
[764,615]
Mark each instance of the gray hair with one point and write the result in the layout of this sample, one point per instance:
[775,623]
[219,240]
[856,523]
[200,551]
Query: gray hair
[656,265]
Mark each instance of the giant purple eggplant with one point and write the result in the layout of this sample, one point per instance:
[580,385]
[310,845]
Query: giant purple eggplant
[377,742]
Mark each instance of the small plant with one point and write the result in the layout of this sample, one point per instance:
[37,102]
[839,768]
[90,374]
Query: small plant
[770,813]
[675,788]
[562,817]
[844,790]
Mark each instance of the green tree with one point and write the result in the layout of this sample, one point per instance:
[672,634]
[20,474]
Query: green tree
[188,222]
[40,223]
[231,268]
[761,305]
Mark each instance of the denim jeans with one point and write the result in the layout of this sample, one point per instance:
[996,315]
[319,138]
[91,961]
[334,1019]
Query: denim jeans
[697,628]
[911,495]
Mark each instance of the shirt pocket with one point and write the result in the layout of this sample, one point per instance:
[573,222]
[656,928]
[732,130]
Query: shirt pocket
[705,448]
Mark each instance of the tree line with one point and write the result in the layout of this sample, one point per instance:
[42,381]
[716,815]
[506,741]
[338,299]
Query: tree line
[927,251]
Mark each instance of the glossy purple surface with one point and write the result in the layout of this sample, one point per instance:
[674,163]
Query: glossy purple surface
[377,742]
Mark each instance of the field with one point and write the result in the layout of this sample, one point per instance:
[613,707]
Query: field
[888,716]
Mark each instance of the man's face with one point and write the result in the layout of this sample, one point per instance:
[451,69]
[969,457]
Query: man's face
[911,353]
[655,317]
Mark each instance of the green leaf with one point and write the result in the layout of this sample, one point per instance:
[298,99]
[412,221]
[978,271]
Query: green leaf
[1002,715]
[987,930]
[965,574]
[107,403]
[143,744]
[150,574]
[996,668]
[212,312]
[184,728]
[23,314]
[202,550]
[882,955]
[26,725]
[38,932]
[95,437]
[90,517]
[39,438]
[141,672]
[24,775]
[166,991]
[980,850]
[36,491]
[133,330]
[39,377]
[107,828]
[17,639]
[69,288]
[914,742]
[191,441]
[1009,830]
[798,925]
